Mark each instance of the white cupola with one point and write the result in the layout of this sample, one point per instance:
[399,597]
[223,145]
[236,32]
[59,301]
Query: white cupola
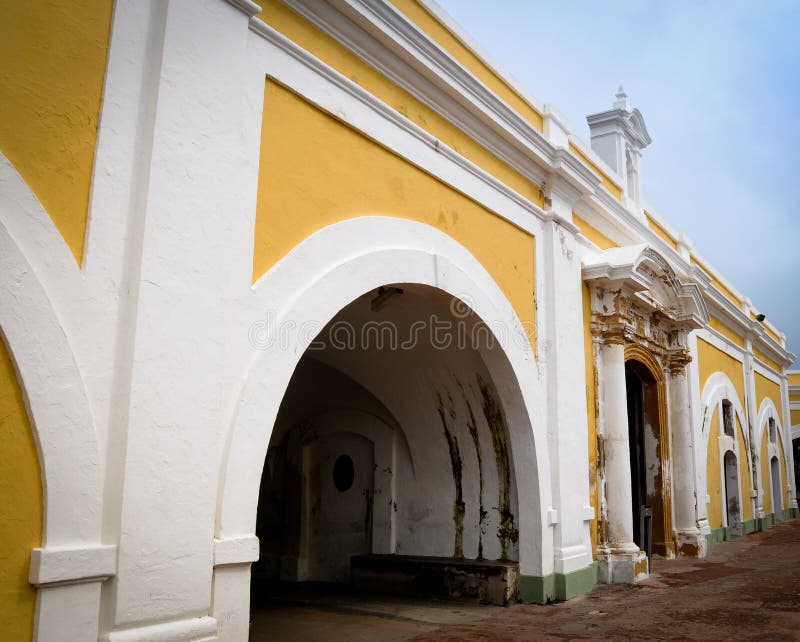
[618,137]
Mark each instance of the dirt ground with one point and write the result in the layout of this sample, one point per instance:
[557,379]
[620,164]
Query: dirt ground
[748,589]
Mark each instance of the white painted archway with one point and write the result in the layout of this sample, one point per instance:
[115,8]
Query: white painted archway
[63,428]
[307,288]
[768,411]
[719,387]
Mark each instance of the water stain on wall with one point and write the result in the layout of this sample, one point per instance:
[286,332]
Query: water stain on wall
[457,468]
[507,532]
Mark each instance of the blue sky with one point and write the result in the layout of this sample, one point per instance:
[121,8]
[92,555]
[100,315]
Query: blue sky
[718,84]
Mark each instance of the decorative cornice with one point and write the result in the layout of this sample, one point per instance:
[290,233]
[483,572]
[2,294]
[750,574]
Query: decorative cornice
[247,7]
[263,30]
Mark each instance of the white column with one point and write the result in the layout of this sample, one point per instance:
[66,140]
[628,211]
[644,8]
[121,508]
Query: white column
[682,461]
[786,422]
[620,559]
[564,360]
[752,418]
[619,496]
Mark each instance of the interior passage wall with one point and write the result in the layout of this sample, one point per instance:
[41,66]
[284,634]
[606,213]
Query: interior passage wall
[54,61]
[315,172]
[21,512]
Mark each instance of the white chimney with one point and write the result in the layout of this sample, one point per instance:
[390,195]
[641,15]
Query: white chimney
[618,137]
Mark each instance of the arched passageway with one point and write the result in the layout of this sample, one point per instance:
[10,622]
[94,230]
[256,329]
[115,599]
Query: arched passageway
[392,443]
[650,502]
[733,503]
[777,495]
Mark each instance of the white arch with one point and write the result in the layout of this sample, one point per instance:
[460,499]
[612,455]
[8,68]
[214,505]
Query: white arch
[317,279]
[719,387]
[61,421]
[766,411]
[57,403]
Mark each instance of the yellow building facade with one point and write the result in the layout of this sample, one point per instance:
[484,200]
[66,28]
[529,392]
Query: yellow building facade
[304,290]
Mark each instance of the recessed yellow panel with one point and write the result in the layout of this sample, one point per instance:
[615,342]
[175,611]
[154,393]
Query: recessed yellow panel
[53,67]
[303,33]
[593,234]
[711,359]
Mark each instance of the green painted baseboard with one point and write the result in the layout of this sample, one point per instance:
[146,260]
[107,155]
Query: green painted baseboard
[718,535]
[558,586]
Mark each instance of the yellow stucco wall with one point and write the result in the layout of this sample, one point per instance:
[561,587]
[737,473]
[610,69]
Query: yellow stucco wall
[440,34]
[725,331]
[713,478]
[591,413]
[53,69]
[794,378]
[660,231]
[744,473]
[315,171]
[329,51]
[795,417]
[771,363]
[21,513]
[711,360]
[767,389]
[593,234]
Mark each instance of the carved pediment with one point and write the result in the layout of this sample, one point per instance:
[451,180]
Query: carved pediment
[644,276]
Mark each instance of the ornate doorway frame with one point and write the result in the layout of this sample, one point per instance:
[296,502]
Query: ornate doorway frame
[642,311]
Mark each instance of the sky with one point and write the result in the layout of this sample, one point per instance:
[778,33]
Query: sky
[718,84]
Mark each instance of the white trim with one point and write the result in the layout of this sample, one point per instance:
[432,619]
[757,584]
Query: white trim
[58,408]
[719,387]
[236,550]
[198,629]
[247,7]
[51,565]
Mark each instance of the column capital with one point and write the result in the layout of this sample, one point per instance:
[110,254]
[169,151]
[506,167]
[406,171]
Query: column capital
[677,362]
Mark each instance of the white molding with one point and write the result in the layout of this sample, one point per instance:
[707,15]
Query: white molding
[54,565]
[58,408]
[236,550]
[247,7]
[198,629]
[466,39]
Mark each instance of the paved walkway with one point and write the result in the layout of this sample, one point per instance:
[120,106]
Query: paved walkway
[748,589]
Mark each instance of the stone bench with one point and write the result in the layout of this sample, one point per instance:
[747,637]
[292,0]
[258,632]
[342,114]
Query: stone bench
[483,581]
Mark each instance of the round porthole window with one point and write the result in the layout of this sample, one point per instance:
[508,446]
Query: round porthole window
[344,472]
